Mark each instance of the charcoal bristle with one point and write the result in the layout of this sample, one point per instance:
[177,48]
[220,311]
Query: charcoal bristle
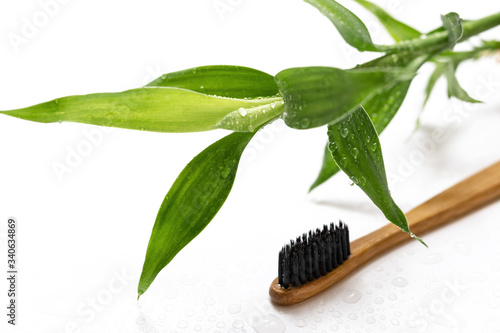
[314,254]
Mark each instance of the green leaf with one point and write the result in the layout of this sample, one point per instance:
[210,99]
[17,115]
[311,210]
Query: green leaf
[453,24]
[223,81]
[355,147]
[350,27]
[382,107]
[315,96]
[397,29]
[191,203]
[149,109]
[454,88]
[436,74]
[438,71]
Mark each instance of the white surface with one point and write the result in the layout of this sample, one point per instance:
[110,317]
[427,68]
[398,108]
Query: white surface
[78,234]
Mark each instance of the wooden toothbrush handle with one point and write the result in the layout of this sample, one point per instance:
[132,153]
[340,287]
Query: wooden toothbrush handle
[460,199]
[464,197]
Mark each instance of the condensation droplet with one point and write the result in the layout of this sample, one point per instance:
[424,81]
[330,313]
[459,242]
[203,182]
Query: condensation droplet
[268,324]
[477,277]
[182,324]
[242,111]
[190,312]
[393,297]
[171,294]
[301,323]
[378,285]
[234,308]
[220,281]
[209,301]
[140,321]
[355,152]
[190,279]
[197,328]
[220,324]
[352,316]
[431,259]
[337,314]
[370,320]
[463,248]
[352,296]
[395,322]
[334,328]
[378,300]
[238,324]
[399,282]
[496,292]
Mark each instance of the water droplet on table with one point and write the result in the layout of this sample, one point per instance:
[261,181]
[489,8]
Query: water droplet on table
[209,301]
[171,294]
[337,314]
[463,248]
[301,323]
[352,316]
[220,282]
[352,296]
[234,308]
[399,282]
[238,324]
[268,324]
[190,279]
[182,324]
[431,259]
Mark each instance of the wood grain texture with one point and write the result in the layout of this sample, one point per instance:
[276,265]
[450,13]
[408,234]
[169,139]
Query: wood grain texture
[466,196]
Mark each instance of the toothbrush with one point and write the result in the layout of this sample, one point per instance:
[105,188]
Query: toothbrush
[303,272]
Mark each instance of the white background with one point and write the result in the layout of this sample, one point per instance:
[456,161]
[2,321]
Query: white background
[77,234]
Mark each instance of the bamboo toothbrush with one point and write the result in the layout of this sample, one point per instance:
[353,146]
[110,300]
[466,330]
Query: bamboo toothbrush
[464,197]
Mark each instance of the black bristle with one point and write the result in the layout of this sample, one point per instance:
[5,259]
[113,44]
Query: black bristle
[281,263]
[313,255]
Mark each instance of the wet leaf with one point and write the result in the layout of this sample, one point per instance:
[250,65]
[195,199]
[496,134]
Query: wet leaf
[453,24]
[191,203]
[361,159]
[350,27]
[382,107]
[315,96]
[154,109]
[224,81]
[454,88]
[397,29]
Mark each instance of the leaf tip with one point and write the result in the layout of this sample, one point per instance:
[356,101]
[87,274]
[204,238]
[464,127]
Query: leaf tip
[418,238]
